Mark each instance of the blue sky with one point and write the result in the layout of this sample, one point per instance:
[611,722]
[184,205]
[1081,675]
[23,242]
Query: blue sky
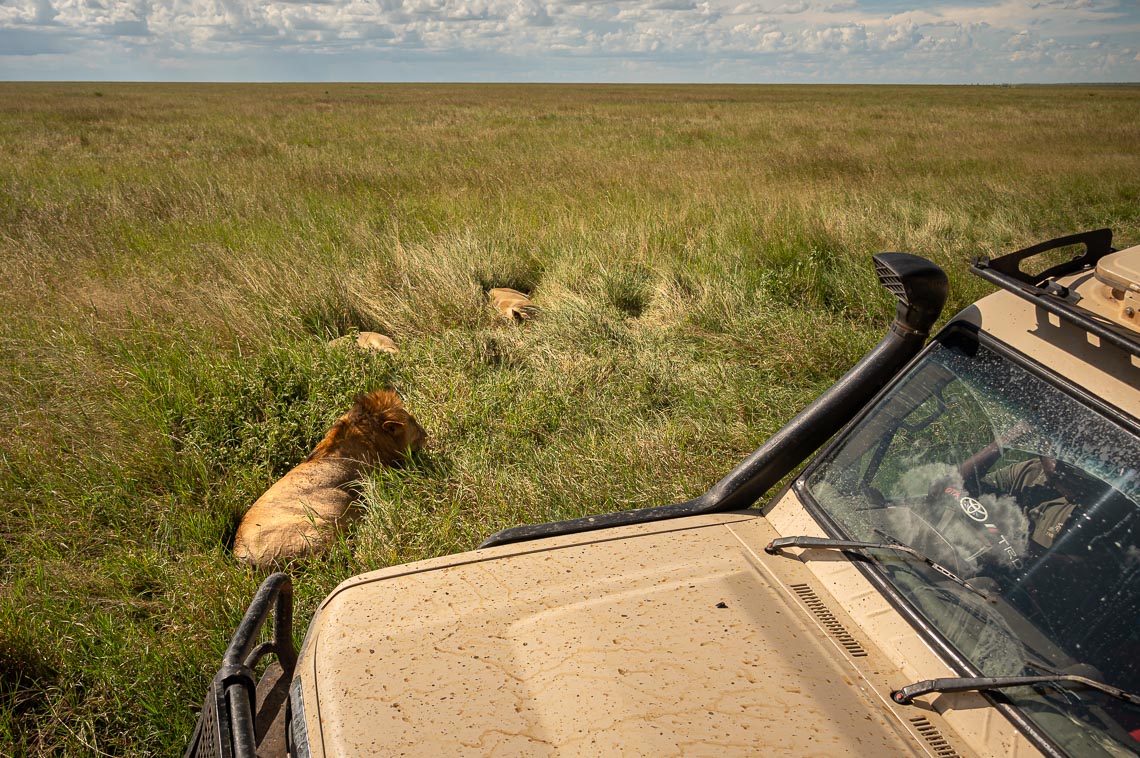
[945,41]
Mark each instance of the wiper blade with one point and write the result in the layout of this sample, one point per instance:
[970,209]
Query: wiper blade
[828,543]
[904,695]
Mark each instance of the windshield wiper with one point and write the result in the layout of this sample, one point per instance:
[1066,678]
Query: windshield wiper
[904,695]
[828,543]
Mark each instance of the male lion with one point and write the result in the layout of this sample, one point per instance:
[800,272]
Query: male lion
[301,514]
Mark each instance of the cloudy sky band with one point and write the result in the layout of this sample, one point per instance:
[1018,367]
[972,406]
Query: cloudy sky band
[960,41]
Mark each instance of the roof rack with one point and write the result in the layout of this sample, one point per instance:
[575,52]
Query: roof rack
[1042,289]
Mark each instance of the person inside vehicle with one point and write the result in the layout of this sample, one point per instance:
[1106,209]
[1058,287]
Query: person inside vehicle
[1047,489]
[1077,581]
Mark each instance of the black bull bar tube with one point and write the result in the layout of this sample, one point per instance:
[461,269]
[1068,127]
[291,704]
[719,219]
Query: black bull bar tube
[921,288]
[234,719]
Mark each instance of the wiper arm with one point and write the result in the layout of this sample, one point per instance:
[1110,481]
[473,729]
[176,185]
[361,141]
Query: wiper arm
[828,543]
[904,695]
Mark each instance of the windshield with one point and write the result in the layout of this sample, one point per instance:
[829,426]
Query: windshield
[1029,495]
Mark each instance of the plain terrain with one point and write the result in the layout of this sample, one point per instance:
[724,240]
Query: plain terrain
[175,258]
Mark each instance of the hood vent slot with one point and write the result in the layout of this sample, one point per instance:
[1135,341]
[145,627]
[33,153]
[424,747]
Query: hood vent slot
[828,621]
[934,738]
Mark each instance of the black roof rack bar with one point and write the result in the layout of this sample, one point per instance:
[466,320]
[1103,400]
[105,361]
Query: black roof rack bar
[1098,243]
[1053,298]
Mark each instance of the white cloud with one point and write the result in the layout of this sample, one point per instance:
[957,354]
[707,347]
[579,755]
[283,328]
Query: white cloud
[1021,40]
[790,9]
[1025,46]
[902,36]
[771,41]
[845,38]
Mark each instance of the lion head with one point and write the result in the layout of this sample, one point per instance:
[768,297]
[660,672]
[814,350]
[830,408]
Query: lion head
[377,430]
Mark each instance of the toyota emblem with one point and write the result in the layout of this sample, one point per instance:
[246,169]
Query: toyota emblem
[973,509]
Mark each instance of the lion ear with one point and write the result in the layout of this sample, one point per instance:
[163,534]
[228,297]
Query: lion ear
[392,426]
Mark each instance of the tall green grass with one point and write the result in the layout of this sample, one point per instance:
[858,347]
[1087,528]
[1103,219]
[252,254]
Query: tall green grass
[176,258]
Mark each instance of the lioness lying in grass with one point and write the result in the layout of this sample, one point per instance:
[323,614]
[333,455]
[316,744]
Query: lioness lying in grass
[301,514]
[374,341]
[512,304]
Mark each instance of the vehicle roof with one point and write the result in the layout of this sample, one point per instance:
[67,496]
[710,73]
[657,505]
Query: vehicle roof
[1111,291]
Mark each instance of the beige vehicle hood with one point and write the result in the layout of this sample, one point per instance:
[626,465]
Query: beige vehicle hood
[681,637]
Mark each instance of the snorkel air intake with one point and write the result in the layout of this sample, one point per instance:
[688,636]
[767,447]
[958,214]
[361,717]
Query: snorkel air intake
[921,288]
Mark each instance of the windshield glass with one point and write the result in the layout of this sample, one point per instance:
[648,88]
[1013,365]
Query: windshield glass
[1029,495]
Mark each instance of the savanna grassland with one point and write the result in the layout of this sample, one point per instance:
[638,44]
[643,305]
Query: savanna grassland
[176,257]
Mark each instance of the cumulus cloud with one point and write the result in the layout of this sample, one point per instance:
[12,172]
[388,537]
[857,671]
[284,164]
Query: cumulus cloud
[1026,46]
[844,38]
[790,9]
[775,39]
[902,36]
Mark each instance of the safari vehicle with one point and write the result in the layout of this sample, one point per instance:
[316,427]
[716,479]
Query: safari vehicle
[954,572]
